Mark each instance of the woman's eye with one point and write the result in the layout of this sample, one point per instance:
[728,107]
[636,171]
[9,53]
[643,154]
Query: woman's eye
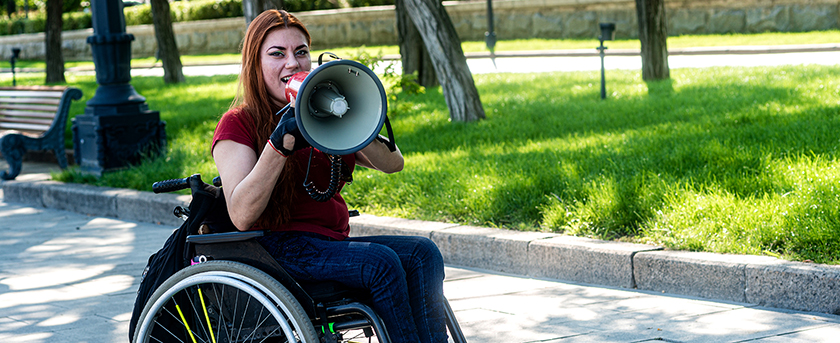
[276,53]
[302,52]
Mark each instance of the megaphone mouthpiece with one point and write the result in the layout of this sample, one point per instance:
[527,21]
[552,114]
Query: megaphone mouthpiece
[326,100]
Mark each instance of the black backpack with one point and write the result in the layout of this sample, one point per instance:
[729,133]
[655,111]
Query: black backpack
[175,255]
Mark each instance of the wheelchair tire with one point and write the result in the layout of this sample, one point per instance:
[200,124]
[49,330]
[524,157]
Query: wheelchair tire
[223,301]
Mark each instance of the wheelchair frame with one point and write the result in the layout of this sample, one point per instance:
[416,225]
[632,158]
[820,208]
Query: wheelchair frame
[329,306]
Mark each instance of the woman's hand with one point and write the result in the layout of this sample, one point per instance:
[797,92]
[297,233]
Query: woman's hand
[286,138]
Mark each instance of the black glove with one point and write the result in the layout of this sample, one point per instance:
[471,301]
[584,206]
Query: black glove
[287,125]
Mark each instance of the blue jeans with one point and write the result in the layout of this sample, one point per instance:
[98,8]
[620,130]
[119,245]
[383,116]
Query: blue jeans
[404,275]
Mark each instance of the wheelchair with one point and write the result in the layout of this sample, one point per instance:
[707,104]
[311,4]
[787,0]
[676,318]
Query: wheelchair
[235,291]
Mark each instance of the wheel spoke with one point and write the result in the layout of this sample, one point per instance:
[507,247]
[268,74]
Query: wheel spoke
[206,316]
[199,325]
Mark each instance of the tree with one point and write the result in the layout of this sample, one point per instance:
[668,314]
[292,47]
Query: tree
[55,59]
[653,35]
[447,57]
[253,8]
[414,56]
[167,47]
[10,7]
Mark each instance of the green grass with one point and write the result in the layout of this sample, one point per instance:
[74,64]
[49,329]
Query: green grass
[732,160]
[729,160]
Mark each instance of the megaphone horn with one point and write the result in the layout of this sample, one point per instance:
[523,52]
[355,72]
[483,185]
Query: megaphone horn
[340,106]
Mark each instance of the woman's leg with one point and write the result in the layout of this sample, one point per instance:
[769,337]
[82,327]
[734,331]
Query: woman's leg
[356,264]
[423,265]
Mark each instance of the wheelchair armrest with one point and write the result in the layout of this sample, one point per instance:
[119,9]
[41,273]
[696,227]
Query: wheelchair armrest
[224,237]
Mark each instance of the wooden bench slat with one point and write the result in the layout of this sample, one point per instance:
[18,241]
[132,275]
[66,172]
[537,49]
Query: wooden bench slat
[25,114]
[25,120]
[27,127]
[35,88]
[29,107]
[40,101]
[31,94]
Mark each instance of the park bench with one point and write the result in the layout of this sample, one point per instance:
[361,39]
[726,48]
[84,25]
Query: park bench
[33,118]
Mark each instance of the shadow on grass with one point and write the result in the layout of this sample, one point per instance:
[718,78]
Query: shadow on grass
[661,88]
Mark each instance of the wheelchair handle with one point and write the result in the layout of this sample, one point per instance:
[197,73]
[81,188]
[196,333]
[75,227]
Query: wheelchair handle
[194,182]
[171,185]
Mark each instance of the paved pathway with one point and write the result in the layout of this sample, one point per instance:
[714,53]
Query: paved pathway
[573,61]
[66,277]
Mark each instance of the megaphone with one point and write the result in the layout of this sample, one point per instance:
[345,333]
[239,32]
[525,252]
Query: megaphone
[340,106]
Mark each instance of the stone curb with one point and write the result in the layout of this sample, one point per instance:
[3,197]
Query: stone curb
[759,280]
[117,203]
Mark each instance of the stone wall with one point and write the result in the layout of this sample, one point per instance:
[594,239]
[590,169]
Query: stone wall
[514,19]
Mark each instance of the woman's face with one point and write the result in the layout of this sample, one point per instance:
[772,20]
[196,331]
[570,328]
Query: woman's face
[284,52]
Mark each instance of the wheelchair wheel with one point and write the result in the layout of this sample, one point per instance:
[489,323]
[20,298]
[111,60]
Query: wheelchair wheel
[223,302]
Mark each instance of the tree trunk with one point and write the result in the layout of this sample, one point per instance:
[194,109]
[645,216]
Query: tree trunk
[653,34]
[252,8]
[55,59]
[273,5]
[10,8]
[450,64]
[414,56]
[167,47]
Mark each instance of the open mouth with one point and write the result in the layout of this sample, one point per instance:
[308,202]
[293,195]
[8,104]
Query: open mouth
[285,79]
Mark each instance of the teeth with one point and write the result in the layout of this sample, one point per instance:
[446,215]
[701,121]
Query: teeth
[285,79]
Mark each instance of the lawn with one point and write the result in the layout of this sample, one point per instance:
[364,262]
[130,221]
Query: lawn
[728,160]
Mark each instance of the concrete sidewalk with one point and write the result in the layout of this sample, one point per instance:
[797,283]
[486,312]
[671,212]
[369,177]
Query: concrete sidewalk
[70,277]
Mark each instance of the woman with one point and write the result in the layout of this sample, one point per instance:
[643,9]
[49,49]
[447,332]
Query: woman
[262,159]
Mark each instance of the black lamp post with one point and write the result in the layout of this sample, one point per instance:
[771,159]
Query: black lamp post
[117,128]
[15,56]
[490,35]
[607,33]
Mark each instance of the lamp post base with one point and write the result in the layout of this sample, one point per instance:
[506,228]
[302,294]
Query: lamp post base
[107,143]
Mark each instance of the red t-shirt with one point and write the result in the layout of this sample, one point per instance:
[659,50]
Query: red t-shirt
[328,218]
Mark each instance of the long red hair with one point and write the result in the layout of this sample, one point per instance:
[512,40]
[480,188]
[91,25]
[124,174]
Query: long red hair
[253,100]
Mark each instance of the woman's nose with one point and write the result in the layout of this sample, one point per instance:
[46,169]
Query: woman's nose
[292,63]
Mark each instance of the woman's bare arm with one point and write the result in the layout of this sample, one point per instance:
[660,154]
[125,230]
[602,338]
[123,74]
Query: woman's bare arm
[247,180]
[377,156]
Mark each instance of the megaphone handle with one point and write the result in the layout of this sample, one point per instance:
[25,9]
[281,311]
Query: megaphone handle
[321,57]
[390,144]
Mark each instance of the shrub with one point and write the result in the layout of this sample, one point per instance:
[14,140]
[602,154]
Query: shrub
[134,15]
[304,5]
[138,15]
[17,24]
[365,3]
[76,21]
[181,11]
[67,6]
